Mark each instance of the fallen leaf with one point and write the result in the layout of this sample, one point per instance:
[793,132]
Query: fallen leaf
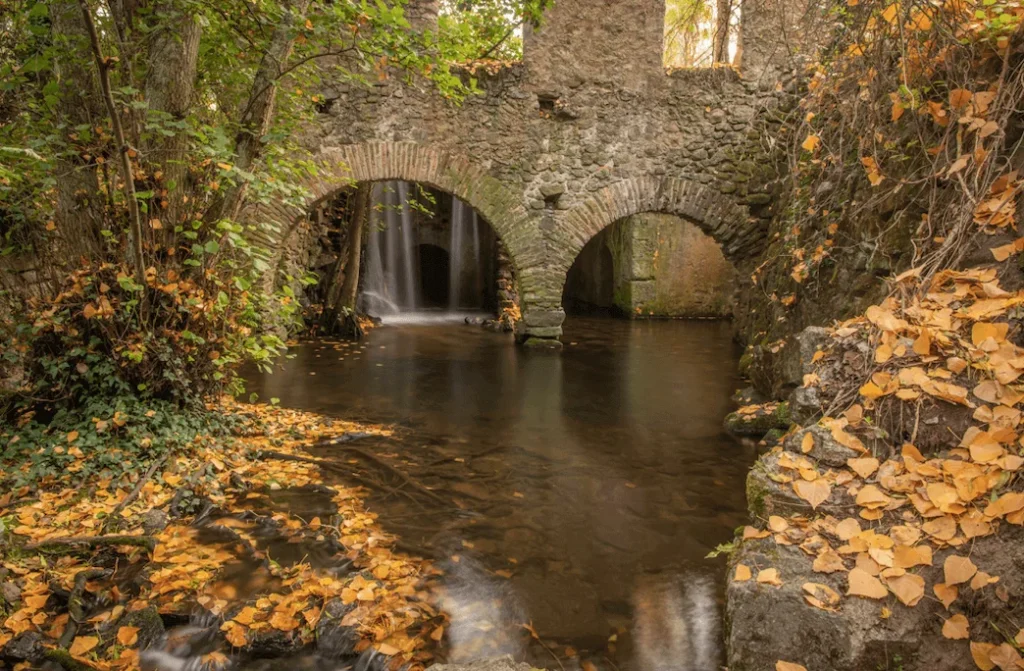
[956,628]
[82,645]
[815,492]
[128,636]
[864,584]
[742,574]
[769,576]
[958,569]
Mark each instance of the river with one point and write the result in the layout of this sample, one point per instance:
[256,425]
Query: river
[588,486]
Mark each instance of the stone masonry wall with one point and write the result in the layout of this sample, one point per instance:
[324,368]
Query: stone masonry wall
[586,131]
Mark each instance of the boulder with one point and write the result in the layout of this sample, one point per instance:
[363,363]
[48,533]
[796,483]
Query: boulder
[500,664]
[767,624]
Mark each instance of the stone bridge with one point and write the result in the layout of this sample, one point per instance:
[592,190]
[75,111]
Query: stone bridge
[587,130]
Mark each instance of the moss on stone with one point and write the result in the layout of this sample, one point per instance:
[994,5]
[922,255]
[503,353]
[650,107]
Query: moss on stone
[756,491]
[760,423]
[746,361]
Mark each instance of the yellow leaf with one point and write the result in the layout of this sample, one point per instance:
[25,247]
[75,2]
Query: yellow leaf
[889,13]
[946,593]
[82,645]
[863,467]
[788,666]
[981,653]
[815,492]
[387,649]
[958,569]
[73,436]
[807,444]
[742,573]
[956,628]
[769,576]
[811,142]
[128,636]
[864,584]
[908,588]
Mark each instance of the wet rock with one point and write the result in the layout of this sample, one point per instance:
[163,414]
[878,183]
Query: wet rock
[769,493]
[855,638]
[826,449]
[500,664]
[760,422]
[10,593]
[154,521]
[149,624]
[332,639]
[778,368]
[27,647]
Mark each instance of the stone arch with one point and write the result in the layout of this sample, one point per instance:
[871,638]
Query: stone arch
[339,167]
[729,224]
[717,215]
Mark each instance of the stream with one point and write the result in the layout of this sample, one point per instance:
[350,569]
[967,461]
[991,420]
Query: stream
[587,488]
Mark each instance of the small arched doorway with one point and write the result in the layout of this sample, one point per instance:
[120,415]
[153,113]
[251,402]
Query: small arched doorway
[435,265]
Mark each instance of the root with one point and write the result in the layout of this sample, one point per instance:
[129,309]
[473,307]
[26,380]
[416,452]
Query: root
[67,544]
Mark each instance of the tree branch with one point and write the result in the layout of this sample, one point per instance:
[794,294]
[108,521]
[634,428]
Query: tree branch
[103,65]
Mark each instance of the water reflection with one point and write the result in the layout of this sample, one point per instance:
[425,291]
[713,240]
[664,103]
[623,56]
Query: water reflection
[596,481]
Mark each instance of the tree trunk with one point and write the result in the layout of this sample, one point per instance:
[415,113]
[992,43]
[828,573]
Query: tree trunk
[170,87]
[255,117]
[103,66]
[80,205]
[350,288]
[720,45]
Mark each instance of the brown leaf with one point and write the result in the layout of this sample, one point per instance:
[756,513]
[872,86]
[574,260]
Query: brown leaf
[815,492]
[742,574]
[956,628]
[128,636]
[958,569]
[908,588]
[769,576]
[864,584]
[82,645]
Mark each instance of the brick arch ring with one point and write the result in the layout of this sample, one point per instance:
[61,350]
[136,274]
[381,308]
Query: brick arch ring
[717,215]
[344,166]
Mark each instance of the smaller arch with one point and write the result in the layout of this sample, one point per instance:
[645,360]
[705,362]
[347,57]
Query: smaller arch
[729,224]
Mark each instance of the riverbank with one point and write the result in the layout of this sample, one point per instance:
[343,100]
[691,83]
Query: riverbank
[886,525]
[229,550]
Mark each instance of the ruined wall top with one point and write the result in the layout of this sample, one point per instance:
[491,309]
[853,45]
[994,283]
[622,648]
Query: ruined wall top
[616,42]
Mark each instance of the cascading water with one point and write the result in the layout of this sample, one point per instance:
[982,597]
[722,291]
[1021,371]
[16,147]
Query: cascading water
[390,285]
[392,282]
[464,261]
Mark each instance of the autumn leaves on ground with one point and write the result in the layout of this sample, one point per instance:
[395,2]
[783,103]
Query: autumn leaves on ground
[93,567]
[886,510]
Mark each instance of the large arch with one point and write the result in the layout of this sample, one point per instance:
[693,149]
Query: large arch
[341,167]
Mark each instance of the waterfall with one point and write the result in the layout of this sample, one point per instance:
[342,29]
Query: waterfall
[392,282]
[455,257]
[465,262]
[409,260]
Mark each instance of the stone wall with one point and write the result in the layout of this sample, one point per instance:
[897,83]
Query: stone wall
[666,267]
[653,266]
[586,131]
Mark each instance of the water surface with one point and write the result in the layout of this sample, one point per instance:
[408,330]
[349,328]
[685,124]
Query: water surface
[587,487]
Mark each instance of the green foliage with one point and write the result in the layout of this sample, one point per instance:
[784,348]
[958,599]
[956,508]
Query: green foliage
[103,439]
[469,30]
[688,31]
